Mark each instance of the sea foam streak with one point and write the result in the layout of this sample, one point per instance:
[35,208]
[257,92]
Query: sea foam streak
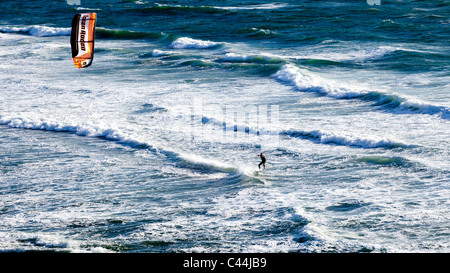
[306,81]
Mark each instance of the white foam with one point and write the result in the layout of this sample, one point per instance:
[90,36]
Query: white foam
[205,161]
[315,135]
[159,53]
[352,141]
[359,55]
[308,81]
[110,133]
[88,129]
[256,58]
[88,9]
[422,107]
[186,42]
[368,53]
[40,31]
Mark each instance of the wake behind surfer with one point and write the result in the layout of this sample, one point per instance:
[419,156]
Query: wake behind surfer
[263,161]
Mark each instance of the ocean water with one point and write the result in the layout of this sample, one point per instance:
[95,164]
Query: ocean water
[154,147]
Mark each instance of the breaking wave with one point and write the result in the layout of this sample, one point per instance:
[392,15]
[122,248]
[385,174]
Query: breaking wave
[316,136]
[358,142]
[309,82]
[117,135]
[253,58]
[186,42]
[369,54]
[36,30]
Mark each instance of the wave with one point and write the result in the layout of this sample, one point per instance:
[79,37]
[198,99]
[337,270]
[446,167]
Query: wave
[385,161]
[36,30]
[358,142]
[197,63]
[309,82]
[255,7]
[282,69]
[391,57]
[186,43]
[178,9]
[253,58]
[87,9]
[82,129]
[261,64]
[46,31]
[129,34]
[189,160]
[258,32]
[316,136]
[306,81]
[357,56]
[203,9]
[159,53]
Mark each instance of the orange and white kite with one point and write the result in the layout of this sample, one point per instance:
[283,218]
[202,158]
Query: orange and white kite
[82,39]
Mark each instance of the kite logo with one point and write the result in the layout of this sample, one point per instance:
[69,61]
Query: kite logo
[83,33]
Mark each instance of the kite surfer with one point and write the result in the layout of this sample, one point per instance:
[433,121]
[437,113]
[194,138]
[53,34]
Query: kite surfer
[263,161]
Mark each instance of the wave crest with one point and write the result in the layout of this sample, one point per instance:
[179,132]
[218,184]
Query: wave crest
[309,82]
[329,138]
[186,43]
[253,58]
[114,134]
[39,31]
[306,81]
[316,136]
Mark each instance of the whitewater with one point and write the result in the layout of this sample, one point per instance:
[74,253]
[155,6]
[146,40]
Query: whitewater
[154,147]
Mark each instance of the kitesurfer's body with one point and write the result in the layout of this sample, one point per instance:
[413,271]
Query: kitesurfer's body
[263,161]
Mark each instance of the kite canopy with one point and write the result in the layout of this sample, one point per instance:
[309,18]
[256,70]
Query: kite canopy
[82,39]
